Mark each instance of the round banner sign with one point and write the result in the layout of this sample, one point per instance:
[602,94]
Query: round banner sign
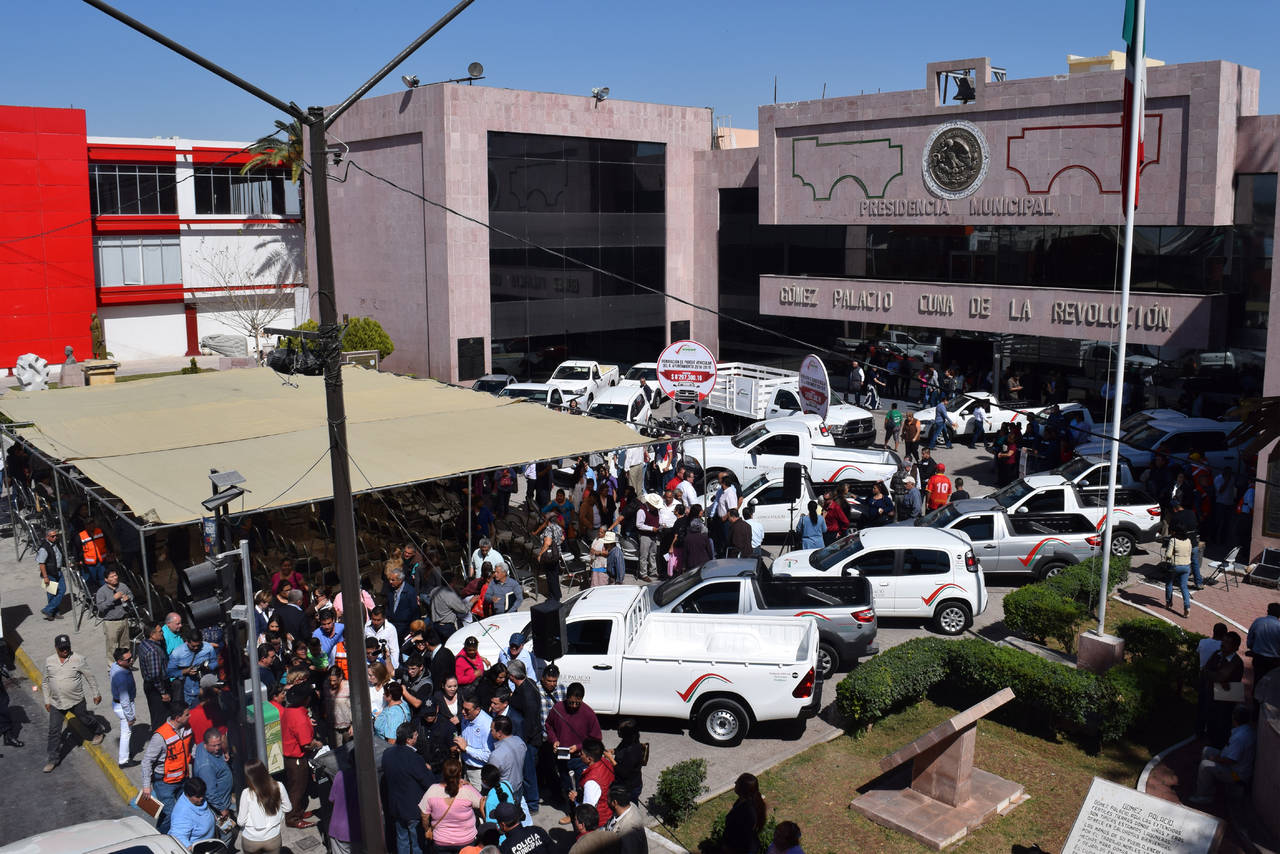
[686,369]
[815,388]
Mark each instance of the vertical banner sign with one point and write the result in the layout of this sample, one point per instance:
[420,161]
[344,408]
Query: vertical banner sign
[209,533]
[685,369]
[815,388]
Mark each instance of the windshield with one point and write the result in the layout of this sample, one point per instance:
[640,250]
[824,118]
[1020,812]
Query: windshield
[940,518]
[1144,437]
[610,410]
[490,386]
[749,435]
[638,373]
[673,588]
[1134,421]
[572,372]
[754,485]
[836,553]
[1074,468]
[538,394]
[1012,494]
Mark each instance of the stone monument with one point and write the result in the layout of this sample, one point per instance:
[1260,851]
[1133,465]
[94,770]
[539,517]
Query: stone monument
[1118,820]
[947,797]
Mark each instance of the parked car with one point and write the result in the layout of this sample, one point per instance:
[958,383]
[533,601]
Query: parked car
[549,396]
[1137,516]
[647,371]
[1040,546]
[767,446]
[722,673]
[921,573]
[129,835]
[624,403]
[584,380]
[960,414]
[1177,439]
[1089,472]
[766,496]
[493,383]
[842,606]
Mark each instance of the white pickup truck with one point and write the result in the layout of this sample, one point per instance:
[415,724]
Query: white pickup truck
[767,446]
[960,413]
[548,395]
[746,393]
[583,380]
[721,673]
[1137,517]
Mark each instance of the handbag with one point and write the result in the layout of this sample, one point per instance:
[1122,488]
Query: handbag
[430,830]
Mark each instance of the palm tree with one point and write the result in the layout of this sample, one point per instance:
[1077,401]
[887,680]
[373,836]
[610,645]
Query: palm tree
[272,151]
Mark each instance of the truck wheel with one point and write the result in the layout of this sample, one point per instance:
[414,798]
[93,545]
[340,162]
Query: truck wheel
[828,661]
[1121,543]
[952,617]
[713,475]
[722,722]
[1049,570]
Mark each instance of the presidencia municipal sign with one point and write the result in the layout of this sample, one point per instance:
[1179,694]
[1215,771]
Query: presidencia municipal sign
[815,388]
[1157,319]
[685,369]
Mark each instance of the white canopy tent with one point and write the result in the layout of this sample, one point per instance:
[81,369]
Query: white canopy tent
[151,443]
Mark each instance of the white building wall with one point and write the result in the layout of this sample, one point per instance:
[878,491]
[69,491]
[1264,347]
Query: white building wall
[144,331]
[235,254]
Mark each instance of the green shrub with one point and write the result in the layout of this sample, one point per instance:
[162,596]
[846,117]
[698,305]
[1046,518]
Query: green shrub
[679,787]
[1039,612]
[716,834]
[1081,582]
[365,333]
[1164,647]
[892,680]
[192,368]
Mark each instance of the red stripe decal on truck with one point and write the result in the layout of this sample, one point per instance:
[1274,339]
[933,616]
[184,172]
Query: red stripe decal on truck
[693,686]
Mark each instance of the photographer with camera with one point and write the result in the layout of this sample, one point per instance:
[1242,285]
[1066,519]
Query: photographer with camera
[113,603]
[189,661]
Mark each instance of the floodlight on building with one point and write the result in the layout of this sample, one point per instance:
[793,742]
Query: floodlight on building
[410,80]
[600,93]
[475,69]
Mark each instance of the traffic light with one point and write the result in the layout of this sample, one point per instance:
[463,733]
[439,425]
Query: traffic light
[208,590]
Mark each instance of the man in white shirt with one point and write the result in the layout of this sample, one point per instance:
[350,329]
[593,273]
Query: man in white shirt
[688,494]
[486,553]
[380,630]
[667,511]
[757,528]
[726,500]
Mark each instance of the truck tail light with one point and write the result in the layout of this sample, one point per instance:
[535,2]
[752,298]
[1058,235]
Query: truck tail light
[804,690]
[824,429]
[1093,541]
[970,562]
[1154,511]
[866,615]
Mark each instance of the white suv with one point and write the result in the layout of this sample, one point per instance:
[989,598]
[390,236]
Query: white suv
[914,572]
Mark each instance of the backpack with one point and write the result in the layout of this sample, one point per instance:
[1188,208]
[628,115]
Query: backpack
[506,482]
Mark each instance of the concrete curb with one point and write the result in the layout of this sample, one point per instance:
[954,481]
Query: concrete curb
[1156,760]
[123,786]
[1217,614]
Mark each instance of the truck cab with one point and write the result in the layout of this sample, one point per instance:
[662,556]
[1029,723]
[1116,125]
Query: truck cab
[549,396]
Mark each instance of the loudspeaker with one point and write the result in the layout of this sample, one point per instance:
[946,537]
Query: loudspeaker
[548,629]
[792,476]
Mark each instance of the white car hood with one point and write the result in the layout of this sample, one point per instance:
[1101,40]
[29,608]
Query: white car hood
[794,563]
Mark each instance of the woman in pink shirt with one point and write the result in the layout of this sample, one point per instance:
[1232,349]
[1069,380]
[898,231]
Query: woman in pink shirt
[449,810]
[470,664]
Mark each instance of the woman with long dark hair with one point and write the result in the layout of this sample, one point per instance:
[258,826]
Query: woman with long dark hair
[495,790]
[746,818]
[628,759]
[811,529]
[263,805]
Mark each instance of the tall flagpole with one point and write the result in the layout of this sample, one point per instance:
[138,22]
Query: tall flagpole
[1117,388]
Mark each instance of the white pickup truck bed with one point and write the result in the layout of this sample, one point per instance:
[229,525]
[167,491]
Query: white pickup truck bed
[685,637]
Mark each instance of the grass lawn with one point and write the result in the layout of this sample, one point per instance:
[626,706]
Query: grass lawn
[814,788]
[1117,613]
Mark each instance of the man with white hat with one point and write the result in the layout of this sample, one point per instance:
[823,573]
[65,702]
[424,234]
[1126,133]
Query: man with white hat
[615,563]
[600,558]
[911,502]
[647,526]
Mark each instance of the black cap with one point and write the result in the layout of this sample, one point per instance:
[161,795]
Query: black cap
[507,813]
[62,642]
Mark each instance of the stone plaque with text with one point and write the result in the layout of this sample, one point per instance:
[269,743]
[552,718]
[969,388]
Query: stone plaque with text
[1119,820]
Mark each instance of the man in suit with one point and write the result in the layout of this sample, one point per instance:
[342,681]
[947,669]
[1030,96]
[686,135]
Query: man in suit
[406,778]
[441,661]
[627,822]
[402,602]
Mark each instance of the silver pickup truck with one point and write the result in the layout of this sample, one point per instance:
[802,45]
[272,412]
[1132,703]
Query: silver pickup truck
[842,607]
[1136,520]
[1041,546]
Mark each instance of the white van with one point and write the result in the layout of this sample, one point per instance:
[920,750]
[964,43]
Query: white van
[914,572]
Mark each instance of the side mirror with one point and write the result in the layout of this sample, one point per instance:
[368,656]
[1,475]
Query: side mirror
[1022,509]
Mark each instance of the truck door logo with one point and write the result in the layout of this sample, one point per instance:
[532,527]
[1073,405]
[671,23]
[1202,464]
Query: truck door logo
[1103,520]
[928,600]
[1031,555]
[693,686]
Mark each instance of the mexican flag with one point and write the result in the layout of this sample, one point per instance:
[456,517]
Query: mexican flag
[1135,86]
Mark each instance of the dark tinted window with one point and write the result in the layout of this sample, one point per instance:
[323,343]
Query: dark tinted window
[925,562]
[979,528]
[873,564]
[772,495]
[588,637]
[787,400]
[719,598]
[1049,501]
[780,445]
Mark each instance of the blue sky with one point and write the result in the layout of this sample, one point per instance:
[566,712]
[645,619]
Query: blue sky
[711,53]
